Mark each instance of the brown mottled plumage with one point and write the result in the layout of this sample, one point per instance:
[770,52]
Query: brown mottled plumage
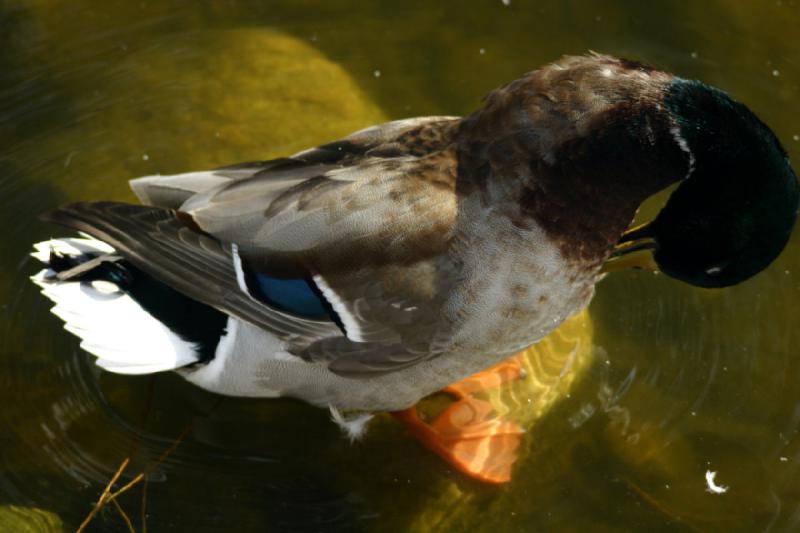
[561,141]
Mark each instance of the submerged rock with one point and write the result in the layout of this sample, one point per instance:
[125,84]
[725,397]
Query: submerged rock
[29,520]
[194,101]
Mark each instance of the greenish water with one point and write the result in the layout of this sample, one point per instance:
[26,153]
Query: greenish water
[680,380]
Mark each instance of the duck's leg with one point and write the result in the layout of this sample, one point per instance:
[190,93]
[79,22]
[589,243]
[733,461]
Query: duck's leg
[503,372]
[468,434]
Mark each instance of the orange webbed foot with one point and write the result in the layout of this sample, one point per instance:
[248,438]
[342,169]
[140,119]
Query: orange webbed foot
[468,434]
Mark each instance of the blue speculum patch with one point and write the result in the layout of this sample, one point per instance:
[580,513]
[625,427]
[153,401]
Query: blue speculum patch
[297,296]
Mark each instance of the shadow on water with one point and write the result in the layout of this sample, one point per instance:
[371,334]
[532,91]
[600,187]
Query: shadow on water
[32,100]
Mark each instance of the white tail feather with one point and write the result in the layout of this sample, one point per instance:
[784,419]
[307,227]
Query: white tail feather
[69,246]
[111,325]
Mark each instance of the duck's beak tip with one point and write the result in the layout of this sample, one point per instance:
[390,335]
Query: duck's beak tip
[640,259]
[633,250]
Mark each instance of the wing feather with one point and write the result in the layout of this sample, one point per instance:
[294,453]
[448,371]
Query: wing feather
[327,201]
[195,264]
[369,215]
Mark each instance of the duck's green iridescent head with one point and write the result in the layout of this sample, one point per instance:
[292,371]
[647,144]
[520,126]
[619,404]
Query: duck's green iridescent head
[733,214]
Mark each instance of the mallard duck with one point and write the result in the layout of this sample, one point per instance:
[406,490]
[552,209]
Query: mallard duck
[369,272]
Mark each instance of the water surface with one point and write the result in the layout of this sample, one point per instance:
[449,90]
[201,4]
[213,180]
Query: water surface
[672,382]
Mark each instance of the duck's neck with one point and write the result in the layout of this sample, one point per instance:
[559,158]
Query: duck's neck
[590,193]
[584,185]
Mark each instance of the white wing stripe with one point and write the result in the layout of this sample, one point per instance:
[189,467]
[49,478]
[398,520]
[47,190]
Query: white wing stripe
[352,327]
